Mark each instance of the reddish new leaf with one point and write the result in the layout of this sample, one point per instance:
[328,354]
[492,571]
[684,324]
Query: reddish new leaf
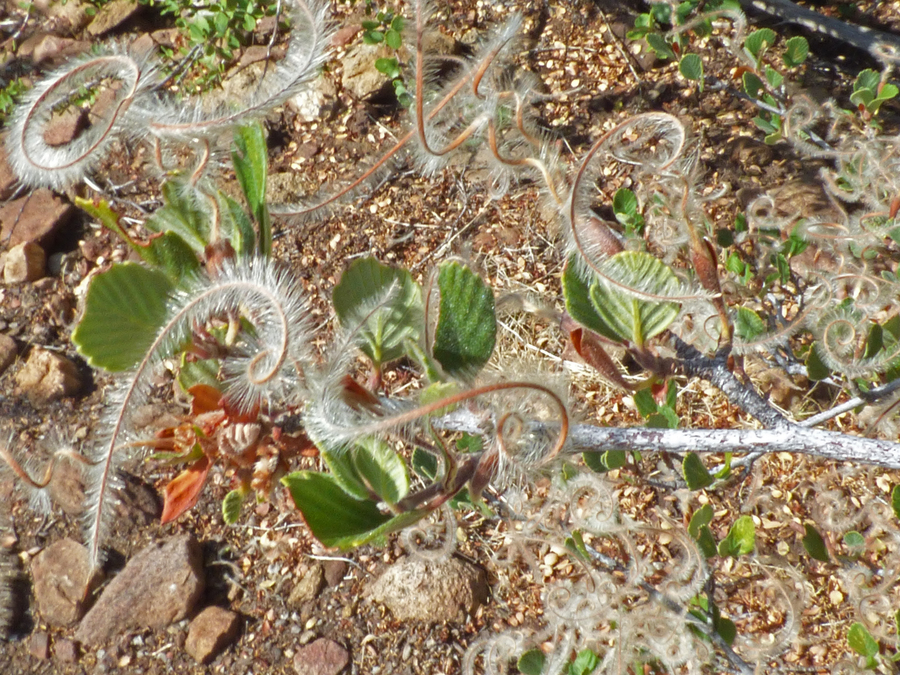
[205,399]
[184,490]
[588,346]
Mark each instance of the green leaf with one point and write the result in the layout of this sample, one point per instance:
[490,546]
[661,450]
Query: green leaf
[625,206]
[124,310]
[706,542]
[752,84]
[338,519]
[815,545]
[383,305]
[659,46]
[388,66]
[815,368]
[748,325]
[204,371]
[645,403]
[861,641]
[854,540]
[578,303]
[531,662]
[726,629]
[701,518]
[585,663]
[424,464]
[231,506]
[381,468]
[235,225]
[250,157]
[601,462]
[695,473]
[758,40]
[467,327]
[741,538]
[393,39]
[773,77]
[867,80]
[183,213]
[895,500]
[369,469]
[632,317]
[796,51]
[691,67]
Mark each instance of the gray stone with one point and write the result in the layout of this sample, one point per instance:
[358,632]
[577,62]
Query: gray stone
[62,579]
[159,586]
[322,657]
[429,591]
[47,376]
[211,631]
[309,587]
[8,352]
[25,262]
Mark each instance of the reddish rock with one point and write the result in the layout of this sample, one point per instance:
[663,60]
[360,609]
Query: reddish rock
[159,586]
[8,179]
[62,576]
[35,217]
[211,631]
[322,657]
[25,262]
[39,645]
[47,376]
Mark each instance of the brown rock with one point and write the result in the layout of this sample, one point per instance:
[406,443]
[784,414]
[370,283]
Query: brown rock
[67,16]
[62,576]
[361,79]
[65,127]
[111,16]
[8,351]
[65,650]
[67,486]
[39,645]
[35,218]
[158,586]
[322,657]
[47,376]
[423,590]
[25,262]
[309,587]
[47,48]
[7,177]
[334,571]
[211,631]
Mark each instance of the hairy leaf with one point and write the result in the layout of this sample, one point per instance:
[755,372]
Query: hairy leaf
[748,325]
[250,156]
[231,506]
[861,641]
[691,67]
[382,304]
[124,310]
[796,51]
[467,327]
[579,306]
[631,317]
[531,662]
[758,40]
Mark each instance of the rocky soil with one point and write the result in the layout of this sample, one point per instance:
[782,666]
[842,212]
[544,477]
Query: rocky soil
[197,596]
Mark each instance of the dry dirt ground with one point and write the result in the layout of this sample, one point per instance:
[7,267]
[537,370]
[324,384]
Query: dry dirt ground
[592,79]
